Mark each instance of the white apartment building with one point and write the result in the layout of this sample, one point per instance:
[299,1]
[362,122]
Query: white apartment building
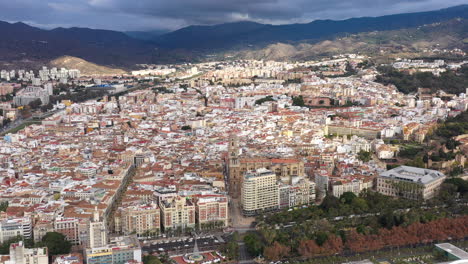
[260,192]
[31,93]
[11,228]
[21,255]
[97,232]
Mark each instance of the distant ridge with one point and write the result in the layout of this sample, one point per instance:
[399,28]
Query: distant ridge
[146,35]
[22,44]
[240,34]
[407,42]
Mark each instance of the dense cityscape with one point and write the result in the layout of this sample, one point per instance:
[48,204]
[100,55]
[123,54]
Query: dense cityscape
[233,133]
[173,155]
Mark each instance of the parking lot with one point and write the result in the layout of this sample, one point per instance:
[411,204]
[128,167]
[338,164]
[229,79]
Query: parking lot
[173,246]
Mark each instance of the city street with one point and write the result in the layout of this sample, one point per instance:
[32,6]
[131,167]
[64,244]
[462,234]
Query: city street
[20,121]
[238,221]
[244,257]
[174,246]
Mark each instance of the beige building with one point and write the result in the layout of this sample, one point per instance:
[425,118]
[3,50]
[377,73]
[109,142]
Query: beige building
[410,182]
[260,192]
[356,186]
[21,255]
[141,220]
[237,166]
[97,232]
[41,229]
[340,130]
[300,192]
[211,211]
[177,213]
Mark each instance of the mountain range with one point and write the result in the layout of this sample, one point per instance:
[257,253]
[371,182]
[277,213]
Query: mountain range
[240,34]
[22,43]
[421,41]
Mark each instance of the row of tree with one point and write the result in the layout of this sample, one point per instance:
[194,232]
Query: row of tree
[354,242]
[264,99]
[416,233]
[347,204]
[367,214]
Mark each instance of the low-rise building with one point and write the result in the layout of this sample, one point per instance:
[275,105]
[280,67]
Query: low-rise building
[339,187]
[410,182]
[30,94]
[21,255]
[119,250]
[41,229]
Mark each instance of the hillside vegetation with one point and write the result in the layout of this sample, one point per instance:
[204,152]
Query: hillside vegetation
[449,81]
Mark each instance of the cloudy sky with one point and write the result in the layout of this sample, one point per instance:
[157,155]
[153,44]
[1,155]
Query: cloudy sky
[173,14]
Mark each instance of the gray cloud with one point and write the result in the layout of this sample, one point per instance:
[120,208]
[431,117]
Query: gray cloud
[173,14]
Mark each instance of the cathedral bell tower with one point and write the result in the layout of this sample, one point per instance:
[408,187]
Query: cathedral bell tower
[234,176]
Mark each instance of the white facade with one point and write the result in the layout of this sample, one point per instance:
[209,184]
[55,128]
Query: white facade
[21,255]
[11,228]
[410,182]
[260,192]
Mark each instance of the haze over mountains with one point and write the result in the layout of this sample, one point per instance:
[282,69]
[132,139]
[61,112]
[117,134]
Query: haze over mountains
[21,42]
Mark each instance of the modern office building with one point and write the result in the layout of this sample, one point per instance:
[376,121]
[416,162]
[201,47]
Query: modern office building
[13,227]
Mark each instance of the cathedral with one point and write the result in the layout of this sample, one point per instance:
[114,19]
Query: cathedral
[237,165]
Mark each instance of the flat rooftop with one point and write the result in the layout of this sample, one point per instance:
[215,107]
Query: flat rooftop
[413,174]
[258,173]
[453,250]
